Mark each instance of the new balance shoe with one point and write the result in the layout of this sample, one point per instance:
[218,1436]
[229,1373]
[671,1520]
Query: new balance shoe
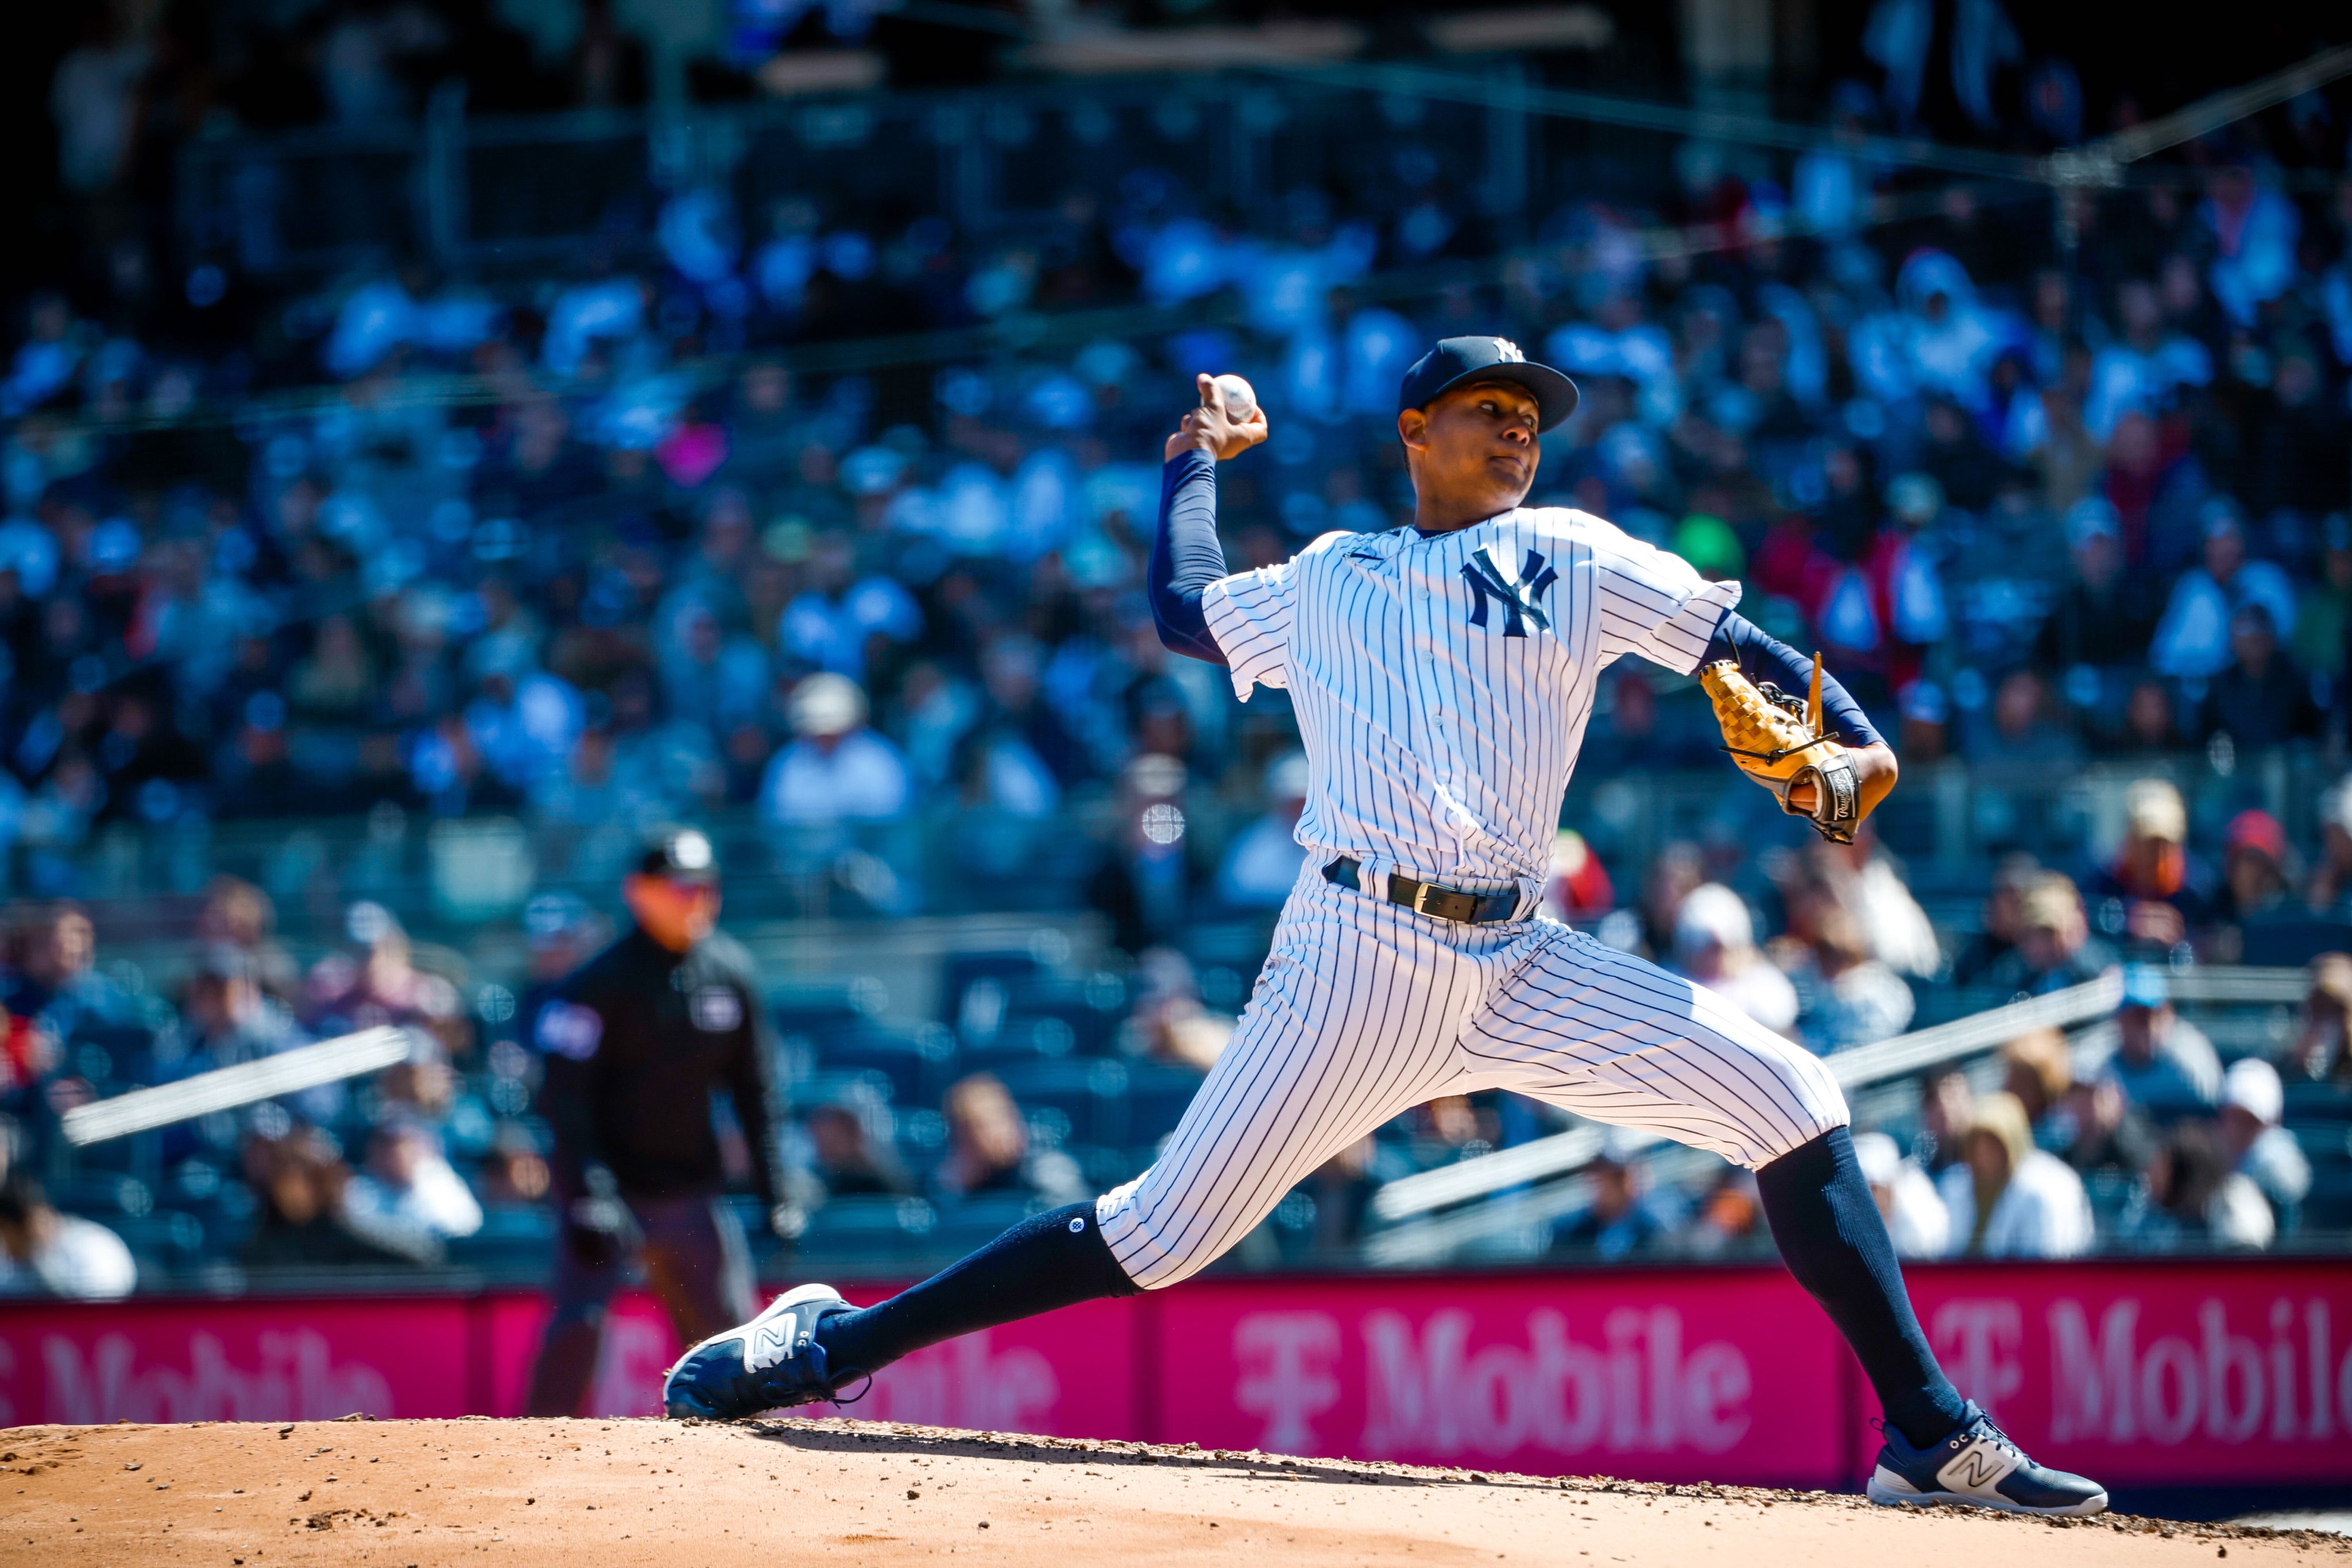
[770,1363]
[1977,1466]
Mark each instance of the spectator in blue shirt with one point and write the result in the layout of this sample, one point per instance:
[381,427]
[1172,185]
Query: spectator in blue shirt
[2163,1063]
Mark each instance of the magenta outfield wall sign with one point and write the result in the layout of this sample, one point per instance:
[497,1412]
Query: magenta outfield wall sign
[2140,1373]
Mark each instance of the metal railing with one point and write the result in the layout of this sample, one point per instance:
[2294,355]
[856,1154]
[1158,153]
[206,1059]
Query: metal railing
[1515,1189]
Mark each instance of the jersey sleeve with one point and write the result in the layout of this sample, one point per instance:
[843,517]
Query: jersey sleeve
[1249,613]
[1653,604]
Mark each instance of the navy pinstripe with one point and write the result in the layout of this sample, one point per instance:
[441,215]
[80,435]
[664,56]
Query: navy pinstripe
[1440,748]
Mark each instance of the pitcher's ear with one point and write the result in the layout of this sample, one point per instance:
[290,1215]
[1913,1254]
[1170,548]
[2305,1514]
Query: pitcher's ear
[1413,427]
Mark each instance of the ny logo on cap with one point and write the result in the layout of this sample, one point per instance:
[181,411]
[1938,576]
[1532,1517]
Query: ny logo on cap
[1508,352]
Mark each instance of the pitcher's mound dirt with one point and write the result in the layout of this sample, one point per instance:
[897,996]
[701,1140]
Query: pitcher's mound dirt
[581,1494]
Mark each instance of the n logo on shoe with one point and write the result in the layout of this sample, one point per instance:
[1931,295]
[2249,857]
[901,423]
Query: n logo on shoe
[768,1343]
[1977,1469]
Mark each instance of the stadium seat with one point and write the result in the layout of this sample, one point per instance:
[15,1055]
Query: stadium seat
[1090,1093]
[870,1229]
[915,1060]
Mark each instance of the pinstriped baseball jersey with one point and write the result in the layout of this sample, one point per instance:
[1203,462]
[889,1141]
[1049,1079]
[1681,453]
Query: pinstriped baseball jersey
[1442,683]
[1442,686]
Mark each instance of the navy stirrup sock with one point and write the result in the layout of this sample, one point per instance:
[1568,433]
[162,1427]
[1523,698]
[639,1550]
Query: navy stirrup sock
[1048,1260]
[1833,1239]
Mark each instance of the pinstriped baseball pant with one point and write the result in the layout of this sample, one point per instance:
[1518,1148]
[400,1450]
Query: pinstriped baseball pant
[1365,1010]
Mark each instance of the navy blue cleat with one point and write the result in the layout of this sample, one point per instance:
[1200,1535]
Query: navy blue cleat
[770,1363]
[1977,1466]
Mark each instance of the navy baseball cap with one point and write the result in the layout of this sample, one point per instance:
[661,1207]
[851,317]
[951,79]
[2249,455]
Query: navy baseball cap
[1458,359]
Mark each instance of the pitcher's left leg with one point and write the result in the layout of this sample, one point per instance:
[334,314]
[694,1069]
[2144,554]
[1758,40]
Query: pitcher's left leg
[1618,1040]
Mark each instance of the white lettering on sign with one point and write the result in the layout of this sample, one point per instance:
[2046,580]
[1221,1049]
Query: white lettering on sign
[1430,1393]
[296,1378]
[1977,1341]
[1285,1359]
[2106,1386]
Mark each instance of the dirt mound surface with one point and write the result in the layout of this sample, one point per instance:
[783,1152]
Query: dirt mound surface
[568,1494]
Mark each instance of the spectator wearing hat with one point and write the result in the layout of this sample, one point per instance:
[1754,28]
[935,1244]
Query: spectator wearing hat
[1262,861]
[838,770]
[2254,883]
[1715,946]
[2037,1067]
[1916,1220]
[2198,1201]
[1926,719]
[2260,700]
[637,1043]
[2255,1146]
[2156,900]
[2054,946]
[2104,616]
[2164,1065]
[57,1254]
[2008,1199]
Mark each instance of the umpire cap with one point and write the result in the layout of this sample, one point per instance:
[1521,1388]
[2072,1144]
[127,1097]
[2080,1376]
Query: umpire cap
[679,855]
[1458,359]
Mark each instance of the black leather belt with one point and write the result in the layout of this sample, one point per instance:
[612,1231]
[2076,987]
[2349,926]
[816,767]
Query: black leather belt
[1428,898]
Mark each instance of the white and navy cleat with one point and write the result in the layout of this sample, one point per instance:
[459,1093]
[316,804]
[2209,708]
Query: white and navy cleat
[770,1362]
[1977,1466]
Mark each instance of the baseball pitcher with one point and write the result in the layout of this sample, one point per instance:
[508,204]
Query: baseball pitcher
[1443,674]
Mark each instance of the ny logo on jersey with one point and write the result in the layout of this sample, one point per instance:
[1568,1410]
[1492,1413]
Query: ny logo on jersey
[1517,599]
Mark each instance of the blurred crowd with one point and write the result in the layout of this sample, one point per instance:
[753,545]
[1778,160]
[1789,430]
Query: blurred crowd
[2036,509]
[2051,496]
[2136,1134]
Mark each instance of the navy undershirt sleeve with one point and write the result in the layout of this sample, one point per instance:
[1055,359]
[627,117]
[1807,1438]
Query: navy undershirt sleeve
[1185,555]
[1761,657]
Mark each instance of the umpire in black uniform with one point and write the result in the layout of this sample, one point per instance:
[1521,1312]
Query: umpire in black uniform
[634,1043]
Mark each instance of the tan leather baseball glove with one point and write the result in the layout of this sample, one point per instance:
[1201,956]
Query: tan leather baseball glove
[1778,742]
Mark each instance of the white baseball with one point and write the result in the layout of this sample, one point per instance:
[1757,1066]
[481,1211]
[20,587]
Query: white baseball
[1241,399]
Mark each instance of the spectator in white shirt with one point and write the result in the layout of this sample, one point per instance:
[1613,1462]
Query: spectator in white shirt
[1715,945]
[1915,1213]
[409,1200]
[62,1254]
[2253,1143]
[1265,857]
[838,770]
[2008,1199]
[2201,1201]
